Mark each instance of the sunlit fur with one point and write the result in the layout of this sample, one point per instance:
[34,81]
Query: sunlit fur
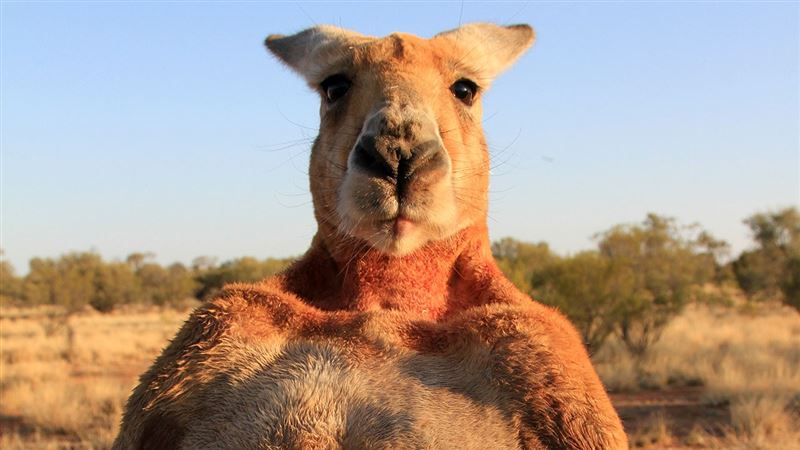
[378,339]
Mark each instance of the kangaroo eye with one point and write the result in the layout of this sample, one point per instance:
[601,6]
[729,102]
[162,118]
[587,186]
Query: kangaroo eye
[464,90]
[334,87]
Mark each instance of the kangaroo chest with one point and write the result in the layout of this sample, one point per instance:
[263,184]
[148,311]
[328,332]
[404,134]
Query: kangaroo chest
[373,388]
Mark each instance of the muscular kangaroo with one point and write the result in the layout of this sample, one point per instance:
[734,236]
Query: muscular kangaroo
[396,329]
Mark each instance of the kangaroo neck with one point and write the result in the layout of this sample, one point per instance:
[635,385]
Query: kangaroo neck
[340,273]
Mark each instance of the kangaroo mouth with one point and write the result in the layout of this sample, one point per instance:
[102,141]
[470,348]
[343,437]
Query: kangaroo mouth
[372,211]
[403,226]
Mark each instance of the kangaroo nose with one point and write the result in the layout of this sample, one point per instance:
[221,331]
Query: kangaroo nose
[395,162]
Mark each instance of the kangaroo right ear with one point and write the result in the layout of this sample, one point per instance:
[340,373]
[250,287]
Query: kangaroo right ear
[490,48]
[310,52]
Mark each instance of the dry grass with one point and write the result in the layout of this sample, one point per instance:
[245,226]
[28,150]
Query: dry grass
[64,381]
[747,358]
[655,432]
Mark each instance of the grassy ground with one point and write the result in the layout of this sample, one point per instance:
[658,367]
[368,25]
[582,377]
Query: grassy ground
[64,381]
[719,378]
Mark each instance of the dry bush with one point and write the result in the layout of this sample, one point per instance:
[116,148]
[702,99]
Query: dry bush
[760,416]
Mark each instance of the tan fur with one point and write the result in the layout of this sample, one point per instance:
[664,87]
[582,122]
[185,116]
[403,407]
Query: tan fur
[383,336]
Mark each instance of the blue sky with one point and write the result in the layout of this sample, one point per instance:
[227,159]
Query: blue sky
[147,126]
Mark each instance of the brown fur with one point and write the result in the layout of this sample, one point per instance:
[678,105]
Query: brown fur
[378,338]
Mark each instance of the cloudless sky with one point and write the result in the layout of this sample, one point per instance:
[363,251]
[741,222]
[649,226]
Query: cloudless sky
[166,127]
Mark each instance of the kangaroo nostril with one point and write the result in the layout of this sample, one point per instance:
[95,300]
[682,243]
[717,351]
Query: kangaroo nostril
[370,159]
[424,150]
[427,155]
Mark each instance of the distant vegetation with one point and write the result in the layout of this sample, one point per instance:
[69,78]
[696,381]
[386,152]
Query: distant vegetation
[631,285]
[77,280]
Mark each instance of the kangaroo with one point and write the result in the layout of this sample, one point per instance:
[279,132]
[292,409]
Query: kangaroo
[396,329]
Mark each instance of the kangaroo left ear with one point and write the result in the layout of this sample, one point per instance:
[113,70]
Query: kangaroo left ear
[490,49]
[310,52]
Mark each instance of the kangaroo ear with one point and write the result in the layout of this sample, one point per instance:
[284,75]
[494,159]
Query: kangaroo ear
[490,49]
[310,52]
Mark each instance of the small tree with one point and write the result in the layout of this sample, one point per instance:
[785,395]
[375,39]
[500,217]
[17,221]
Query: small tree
[115,284]
[791,283]
[10,284]
[162,286]
[247,269]
[581,286]
[75,280]
[772,269]
[519,261]
[654,270]
[716,253]
[68,281]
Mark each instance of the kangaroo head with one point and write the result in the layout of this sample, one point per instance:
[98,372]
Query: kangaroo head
[401,158]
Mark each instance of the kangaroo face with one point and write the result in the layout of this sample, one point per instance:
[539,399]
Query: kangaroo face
[401,158]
